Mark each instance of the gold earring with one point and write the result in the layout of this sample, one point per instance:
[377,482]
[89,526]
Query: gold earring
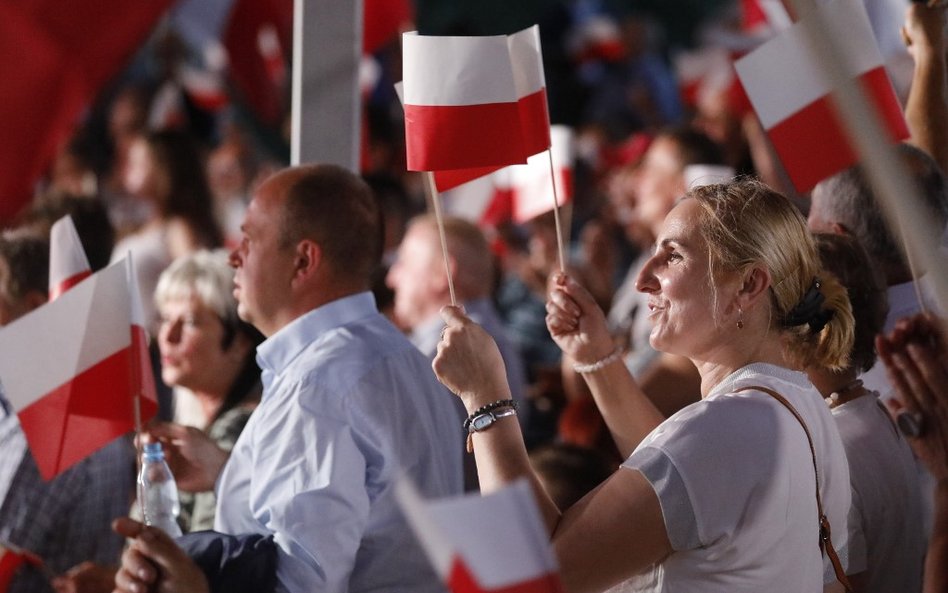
[740,318]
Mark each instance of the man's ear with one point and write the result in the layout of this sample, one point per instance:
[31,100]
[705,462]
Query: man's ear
[307,259]
[439,278]
[839,228]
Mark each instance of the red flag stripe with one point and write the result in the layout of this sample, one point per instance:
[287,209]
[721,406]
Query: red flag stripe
[808,161]
[535,122]
[461,137]
[68,283]
[83,411]
[461,580]
[450,179]
[55,408]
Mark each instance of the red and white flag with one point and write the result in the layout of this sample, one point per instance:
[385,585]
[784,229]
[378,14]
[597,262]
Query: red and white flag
[72,370]
[526,59]
[531,185]
[68,264]
[461,103]
[518,192]
[478,544]
[789,89]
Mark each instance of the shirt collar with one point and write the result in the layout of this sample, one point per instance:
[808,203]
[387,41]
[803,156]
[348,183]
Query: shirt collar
[750,375]
[277,352]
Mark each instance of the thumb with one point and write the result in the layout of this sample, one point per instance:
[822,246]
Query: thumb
[127,527]
[453,316]
[579,294]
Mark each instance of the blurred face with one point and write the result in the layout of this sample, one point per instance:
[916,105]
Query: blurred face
[225,174]
[416,278]
[658,182]
[142,177]
[264,267]
[190,339]
[676,278]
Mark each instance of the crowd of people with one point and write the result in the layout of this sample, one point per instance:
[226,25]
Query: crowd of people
[727,387]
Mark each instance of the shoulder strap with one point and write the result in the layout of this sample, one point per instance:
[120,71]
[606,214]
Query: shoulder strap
[826,540]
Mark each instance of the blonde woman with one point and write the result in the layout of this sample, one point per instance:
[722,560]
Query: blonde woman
[721,496]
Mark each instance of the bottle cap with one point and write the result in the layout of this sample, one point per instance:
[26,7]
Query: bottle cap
[153,450]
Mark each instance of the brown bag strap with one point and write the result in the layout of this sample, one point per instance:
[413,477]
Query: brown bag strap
[826,540]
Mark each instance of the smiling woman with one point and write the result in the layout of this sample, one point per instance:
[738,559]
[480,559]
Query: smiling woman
[722,496]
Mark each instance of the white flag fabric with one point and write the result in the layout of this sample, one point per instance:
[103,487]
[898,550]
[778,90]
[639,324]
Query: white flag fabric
[68,370]
[68,264]
[789,89]
[494,542]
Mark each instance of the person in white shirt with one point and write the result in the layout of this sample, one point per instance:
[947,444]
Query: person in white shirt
[886,543]
[348,403]
[723,495]
[845,204]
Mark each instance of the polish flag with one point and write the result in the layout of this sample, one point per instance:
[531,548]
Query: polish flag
[461,104]
[789,90]
[74,370]
[526,59]
[479,544]
[68,264]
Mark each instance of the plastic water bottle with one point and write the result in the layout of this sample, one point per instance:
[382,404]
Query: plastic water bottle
[157,491]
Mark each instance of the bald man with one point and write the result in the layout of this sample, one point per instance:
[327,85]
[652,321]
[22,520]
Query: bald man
[348,404]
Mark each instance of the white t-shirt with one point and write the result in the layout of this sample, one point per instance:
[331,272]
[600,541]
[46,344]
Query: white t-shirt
[735,480]
[885,521]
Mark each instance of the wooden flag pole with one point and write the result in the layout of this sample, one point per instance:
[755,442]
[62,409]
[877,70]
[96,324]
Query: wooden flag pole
[436,204]
[892,185]
[560,241]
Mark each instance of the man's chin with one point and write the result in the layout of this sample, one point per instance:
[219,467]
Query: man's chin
[244,314]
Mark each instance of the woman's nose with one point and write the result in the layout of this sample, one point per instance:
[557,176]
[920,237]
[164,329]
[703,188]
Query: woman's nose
[646,280]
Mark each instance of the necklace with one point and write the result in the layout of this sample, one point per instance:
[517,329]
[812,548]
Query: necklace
[845,394]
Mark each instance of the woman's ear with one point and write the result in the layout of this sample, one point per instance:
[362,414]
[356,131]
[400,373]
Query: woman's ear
[754,284]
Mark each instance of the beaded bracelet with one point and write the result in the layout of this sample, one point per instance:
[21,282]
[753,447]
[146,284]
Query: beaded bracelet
[501,403]
[599,364]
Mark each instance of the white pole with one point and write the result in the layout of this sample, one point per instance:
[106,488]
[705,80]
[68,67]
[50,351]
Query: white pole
[325,99]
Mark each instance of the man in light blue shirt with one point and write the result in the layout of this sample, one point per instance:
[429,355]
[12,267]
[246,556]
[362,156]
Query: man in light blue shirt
[348,405]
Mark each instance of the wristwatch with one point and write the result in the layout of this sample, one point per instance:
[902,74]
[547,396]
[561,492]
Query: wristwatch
[484,420]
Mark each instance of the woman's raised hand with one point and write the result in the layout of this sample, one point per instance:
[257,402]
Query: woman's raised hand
[576,322]
[468,361]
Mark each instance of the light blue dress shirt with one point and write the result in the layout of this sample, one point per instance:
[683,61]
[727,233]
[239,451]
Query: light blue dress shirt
[348,405]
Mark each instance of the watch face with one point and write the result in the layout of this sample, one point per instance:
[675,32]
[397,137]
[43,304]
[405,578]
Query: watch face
[481,422]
